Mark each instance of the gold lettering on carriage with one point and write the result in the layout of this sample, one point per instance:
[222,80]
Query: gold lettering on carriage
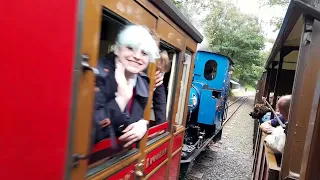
[127,176]
[156,157]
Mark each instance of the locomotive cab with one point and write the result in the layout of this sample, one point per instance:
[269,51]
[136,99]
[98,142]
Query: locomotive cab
[207,99]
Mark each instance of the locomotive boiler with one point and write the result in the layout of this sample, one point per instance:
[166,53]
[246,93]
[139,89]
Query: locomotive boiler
[207,102]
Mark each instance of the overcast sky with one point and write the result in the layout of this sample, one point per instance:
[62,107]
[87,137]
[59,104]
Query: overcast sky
[265,14]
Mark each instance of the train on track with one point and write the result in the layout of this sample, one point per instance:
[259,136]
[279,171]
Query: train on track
[50,52]
[293,67]
[207,103]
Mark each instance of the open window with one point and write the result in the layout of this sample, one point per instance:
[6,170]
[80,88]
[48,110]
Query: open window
[108,150]
[210,70]
[161,113]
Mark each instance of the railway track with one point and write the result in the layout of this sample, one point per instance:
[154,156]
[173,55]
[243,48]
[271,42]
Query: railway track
[240,101]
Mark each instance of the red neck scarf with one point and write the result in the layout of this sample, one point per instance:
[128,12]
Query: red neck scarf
[129,106]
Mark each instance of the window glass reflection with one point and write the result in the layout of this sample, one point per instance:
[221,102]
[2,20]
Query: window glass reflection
[183,88]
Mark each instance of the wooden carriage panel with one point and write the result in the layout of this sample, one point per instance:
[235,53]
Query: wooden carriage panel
[191,44]
[132,11]
[311,159]
[85,90]
[262,164]
[301,106]
[170,35]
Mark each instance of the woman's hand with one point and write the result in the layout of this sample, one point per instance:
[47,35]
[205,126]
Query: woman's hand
[159,78]
[125,87]
[134,132]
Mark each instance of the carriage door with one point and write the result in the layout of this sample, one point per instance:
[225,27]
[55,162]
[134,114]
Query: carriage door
[88,28]
[183,89]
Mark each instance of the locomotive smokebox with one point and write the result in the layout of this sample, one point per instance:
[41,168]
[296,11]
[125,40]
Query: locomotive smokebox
[193,102]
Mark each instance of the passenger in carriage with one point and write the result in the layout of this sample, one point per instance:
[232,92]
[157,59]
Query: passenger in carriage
[267,116]
[159,94]
[283,105]
[122,89]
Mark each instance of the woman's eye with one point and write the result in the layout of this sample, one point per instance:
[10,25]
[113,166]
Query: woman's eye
[144,53]
[130,48]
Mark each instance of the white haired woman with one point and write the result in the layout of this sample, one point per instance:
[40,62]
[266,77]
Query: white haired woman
[122,90]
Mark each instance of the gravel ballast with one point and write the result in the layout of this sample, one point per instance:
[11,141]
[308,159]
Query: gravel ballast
[231,158]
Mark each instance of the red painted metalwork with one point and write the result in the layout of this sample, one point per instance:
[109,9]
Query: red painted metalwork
[158,128]
[37,55]
[175,163]
[177,142]
[126,173]
[160,174]
[105,144]
[156,156]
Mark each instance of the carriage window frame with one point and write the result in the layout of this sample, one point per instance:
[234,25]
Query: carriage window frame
[170,96]
[184,99]
[213,70]
[106,162]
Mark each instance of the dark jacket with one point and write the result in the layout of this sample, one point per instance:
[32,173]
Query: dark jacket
[159,104]
[107,108]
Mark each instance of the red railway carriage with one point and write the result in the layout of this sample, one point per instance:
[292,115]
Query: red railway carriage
[49,50]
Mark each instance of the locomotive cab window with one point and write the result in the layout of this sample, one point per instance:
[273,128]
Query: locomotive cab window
[210,69]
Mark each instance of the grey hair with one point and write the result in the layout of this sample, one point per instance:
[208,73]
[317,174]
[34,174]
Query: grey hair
[139,38]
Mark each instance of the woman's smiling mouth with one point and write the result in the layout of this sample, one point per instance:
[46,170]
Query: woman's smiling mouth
[134,63]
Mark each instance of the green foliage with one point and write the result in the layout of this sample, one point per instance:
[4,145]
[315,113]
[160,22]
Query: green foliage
[177,3]
[276,21]
[274,2]
[231,33]
[238,36]
[192,8]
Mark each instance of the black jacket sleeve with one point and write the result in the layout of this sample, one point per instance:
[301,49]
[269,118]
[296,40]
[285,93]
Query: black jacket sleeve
[159,104]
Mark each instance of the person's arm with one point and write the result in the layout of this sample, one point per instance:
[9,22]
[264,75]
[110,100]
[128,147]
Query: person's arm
[266,127]
[159,104]
[136,130]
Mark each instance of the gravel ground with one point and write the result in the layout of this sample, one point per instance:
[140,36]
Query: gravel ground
[231,158]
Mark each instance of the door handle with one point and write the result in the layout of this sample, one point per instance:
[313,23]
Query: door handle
[139,169]
[85,65]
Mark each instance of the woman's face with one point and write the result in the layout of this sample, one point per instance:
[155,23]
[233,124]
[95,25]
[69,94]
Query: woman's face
[134,61]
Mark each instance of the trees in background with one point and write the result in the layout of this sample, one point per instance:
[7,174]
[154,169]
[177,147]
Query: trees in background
[231,33]
[276,21]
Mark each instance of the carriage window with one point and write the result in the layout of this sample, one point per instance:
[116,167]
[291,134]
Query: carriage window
[106,146]
[163,97]
[183,88]
[210,69]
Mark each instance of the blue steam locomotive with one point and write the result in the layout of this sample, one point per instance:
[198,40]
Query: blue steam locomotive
[207,102]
